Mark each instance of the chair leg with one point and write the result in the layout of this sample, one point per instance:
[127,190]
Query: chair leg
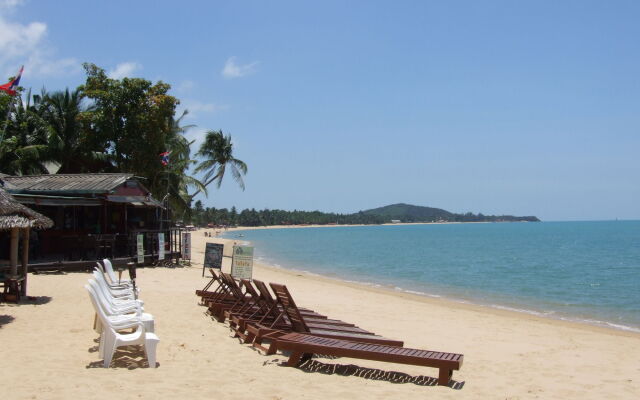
[101,345]
[272,348]
[150,345]
[294,359]
[444,376]
[109,349]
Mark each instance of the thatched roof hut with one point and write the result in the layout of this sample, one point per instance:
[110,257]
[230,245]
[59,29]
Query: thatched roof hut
[15,215]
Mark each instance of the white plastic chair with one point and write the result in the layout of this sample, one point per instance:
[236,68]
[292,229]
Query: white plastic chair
[110,340]
[112,276]
[124,285]
[115,306]
[116,292]
[117,318]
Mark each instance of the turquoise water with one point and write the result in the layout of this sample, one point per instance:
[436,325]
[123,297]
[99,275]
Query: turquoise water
[587,271]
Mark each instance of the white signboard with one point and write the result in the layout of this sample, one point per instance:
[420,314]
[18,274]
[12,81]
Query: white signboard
[186,245]
[140,249]
[242,262]
[160,246]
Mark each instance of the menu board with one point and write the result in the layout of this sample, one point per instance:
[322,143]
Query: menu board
[242,262]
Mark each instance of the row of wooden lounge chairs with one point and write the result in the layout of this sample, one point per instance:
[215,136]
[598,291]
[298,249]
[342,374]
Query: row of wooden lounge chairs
[276,323]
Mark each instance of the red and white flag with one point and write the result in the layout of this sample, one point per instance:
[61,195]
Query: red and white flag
[12,86]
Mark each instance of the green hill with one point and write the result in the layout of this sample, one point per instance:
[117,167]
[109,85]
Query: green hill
[410,213]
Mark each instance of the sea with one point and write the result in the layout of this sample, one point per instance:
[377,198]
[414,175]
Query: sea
[578,271]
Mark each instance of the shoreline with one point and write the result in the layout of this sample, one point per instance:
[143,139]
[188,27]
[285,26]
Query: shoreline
[50,341]
[451,300]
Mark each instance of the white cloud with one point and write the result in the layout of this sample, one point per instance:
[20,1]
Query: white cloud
[196,107]
[26,44]
[124,70]
[9,4]
[232,70]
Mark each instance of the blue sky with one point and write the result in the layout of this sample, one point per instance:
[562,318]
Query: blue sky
[499,107]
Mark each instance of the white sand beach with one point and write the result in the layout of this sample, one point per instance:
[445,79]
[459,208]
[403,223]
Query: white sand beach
[48,349]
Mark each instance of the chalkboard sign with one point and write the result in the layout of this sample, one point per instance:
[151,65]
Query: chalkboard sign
[212,256]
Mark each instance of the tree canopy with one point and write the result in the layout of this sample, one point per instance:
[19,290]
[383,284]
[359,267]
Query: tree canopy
[111,125]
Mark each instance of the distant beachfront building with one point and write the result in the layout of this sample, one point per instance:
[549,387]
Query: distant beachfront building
[95,216]
[395,221]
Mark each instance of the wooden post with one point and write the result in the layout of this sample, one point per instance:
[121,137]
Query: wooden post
[14,251]
[25,259]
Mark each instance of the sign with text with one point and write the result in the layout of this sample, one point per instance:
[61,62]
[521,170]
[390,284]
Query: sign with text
[186,245]
[212,256]
[140,249]
[242,262]
[160,246]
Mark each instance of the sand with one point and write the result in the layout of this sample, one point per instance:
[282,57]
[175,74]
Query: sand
[49,351]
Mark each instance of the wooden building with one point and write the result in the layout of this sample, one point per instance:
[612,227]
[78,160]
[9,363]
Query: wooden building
[95,216]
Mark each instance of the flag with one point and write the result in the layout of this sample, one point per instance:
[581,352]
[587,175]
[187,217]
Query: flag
[11,87]
[165,158]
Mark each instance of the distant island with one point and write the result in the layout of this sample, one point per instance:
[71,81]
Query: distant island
[409,213]
[395,213]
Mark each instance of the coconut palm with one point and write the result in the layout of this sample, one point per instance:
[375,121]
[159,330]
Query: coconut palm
[69,143]
[23,151]
[174,175]
[217,151]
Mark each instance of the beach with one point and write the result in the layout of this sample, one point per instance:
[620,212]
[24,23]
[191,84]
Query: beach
[49,350]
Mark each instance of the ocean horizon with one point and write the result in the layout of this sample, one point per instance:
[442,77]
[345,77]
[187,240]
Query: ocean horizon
[583,271]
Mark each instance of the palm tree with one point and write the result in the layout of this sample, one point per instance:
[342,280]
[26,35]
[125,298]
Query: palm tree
[23,151]
[174,175]
[69,143]
[217,151]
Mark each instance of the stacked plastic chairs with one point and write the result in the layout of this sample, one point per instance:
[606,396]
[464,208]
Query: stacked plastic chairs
[118,309]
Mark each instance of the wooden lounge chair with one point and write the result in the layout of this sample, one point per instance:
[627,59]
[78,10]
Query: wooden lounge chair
[263,311]
[269,309]
[264,293]
[303,346]
[236,298]
[219,294]
[205,290]
[257,333]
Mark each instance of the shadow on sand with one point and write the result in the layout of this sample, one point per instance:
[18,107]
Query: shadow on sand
[310,366]
[6,319]
[35,300]
[127,357]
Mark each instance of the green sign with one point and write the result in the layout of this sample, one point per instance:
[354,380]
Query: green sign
[242,262]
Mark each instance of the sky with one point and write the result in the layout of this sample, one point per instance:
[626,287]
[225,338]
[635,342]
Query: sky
[498,107]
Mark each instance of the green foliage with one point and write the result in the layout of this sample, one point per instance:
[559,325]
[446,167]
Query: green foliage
[132,119]
[252,217]
[402,212]
[109,125]
[71,141]
[23,149]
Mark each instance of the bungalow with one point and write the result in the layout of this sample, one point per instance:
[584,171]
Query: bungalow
[95,216]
